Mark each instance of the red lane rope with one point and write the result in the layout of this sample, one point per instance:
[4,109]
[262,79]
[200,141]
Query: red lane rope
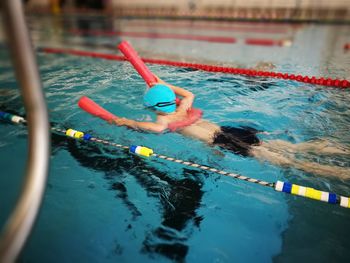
[216,39]
[244,29]
[210,68]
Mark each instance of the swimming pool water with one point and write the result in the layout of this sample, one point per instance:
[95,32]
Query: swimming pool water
[105,205]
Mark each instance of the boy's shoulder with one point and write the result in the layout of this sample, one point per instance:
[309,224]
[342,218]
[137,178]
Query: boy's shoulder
[163,118]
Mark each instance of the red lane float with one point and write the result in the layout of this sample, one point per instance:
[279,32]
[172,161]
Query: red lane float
[210,68]
[82,53]
[137,62]
[267,42]
[215,27]
[228,40]
[93,108]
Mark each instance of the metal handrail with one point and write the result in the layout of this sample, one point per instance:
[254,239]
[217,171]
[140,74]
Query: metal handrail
[20,222]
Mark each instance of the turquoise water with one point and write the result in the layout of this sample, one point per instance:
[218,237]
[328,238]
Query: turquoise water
[104,205]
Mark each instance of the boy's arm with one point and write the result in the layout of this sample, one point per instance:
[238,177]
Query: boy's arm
[187,96]
[146,126]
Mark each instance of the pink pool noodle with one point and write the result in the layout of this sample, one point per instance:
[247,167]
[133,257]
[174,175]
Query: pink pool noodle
[94,109]
[137,62]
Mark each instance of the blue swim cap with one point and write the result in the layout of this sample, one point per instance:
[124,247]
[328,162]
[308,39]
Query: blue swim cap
[161,98]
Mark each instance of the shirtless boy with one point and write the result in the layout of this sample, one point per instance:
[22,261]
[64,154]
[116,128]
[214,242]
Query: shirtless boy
[244,141]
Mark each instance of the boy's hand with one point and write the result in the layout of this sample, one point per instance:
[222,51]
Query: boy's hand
[119,121]
[186,104]
[159,80]
[111,121]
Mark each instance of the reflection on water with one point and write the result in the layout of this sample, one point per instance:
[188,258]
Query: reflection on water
[179,198]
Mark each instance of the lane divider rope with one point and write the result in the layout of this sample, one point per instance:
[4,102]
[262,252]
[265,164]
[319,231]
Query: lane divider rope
[215,27]
[210,68]
[143,151]
[215,39]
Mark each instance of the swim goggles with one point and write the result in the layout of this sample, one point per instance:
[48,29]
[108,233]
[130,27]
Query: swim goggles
[162,104]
